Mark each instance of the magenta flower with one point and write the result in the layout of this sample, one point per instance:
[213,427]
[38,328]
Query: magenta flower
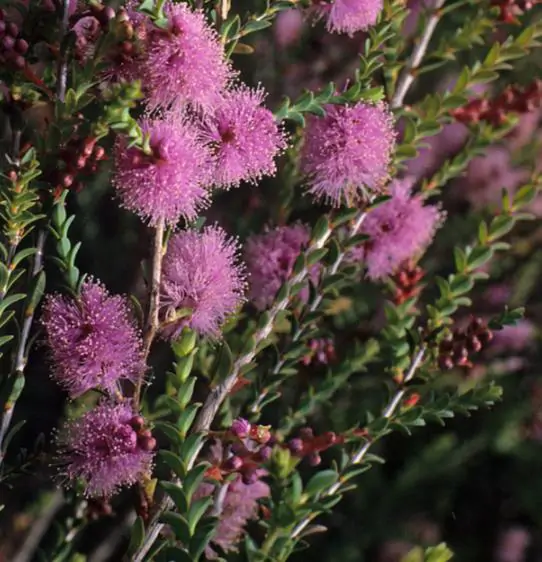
[488,175]
[185,63]
[107,448]
[347,153]
[93,340]
[399,229]
[270,258]
[349,16]
[515,337]
[245,137]
[170,182]
[201,273]
[240,505]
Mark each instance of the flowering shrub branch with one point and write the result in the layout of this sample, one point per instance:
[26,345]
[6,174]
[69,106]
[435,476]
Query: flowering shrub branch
[295,319]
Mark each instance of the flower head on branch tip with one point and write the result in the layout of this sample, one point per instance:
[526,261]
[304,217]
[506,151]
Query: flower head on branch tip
[346,154]
[185,63]
[93,340]
[108,447]
[350,16]
[171,181]
[201,273]
[245,486]
[270,258]
[398,229]
[244,136]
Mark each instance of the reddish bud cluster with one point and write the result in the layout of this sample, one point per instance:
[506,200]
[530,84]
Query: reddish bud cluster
[125,50]
[145,440]
[245,448]
[407,281]
[12,46]
[81,156]
[512,100]
[455,349]
[320,351]
[310,446]
[88,25]
[510,9]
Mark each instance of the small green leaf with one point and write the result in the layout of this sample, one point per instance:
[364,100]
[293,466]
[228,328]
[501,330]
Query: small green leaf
[321,481]
[137,535]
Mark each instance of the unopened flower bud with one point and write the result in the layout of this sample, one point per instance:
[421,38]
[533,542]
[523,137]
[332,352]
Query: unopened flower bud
[19,62]
[296,445]
[8,42]
[21,46]
[146,443]
[67,180]
[445,362]
[137,422]
[240,427]
[315,459]
[12,29]
[265,453]
[306,433]
[234,463]
[474,344]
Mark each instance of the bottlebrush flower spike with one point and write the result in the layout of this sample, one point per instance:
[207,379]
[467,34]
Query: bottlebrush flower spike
[170,182]
[270,258]
[399,229]
[185,63]
[93,340]
[347,153]
[245,137]
[349,16]
[202,273]
[108,448]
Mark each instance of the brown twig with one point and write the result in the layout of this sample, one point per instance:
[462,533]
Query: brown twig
[152,322]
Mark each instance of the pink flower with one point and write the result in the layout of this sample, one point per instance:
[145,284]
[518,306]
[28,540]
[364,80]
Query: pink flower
[106,448]
[239,506]
[513,338]
[288,27]
[201,273]
[270,258]
[399,229]
[488,175]
[347,153]
[93,340]
[349,16]
[245,137]
[170,182]
[512,545]
[185,63]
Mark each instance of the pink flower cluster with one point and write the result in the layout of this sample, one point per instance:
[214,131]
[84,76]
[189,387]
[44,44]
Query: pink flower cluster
[203,278]
[398,229]
[95,345]
[209,131]
[347,153]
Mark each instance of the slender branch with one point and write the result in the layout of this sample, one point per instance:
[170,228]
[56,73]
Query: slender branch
[22,351]
[219,394]
[408,74]
[39,528]
[359,455]
[62,76]
[152,323]
[331,270]
[105,550]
